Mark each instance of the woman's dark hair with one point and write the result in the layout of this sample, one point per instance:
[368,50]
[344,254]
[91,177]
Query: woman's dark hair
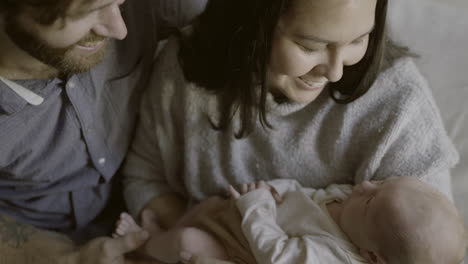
[229,51]
[46,12]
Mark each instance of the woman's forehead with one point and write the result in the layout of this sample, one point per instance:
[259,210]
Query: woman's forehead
[335,20]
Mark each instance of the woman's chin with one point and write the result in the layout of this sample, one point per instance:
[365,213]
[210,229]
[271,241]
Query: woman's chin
[304,97]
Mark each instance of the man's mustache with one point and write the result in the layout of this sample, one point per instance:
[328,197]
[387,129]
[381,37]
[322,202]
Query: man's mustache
[90,38]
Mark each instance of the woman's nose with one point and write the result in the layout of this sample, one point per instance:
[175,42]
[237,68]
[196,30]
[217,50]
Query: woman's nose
[334,70]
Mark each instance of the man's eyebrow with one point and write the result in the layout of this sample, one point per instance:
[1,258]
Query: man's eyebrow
[86,10]
[321,40]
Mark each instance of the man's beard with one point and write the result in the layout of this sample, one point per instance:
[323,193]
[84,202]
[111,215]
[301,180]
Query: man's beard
[65,60]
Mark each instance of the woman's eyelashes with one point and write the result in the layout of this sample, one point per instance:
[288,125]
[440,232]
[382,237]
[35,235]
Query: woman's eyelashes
[359,40]
[307,49]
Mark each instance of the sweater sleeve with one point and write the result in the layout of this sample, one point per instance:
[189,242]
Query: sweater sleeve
[144,168]
[270,244]
[413,141]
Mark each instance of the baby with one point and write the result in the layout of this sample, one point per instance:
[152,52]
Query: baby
[399,220]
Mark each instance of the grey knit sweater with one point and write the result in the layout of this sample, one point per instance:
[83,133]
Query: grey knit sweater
[393,130]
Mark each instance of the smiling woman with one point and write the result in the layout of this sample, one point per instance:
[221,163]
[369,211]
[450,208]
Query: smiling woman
[309,51]
[343,44]
[311,90]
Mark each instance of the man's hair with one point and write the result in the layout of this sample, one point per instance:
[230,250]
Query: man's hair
[230,48]
[45,11]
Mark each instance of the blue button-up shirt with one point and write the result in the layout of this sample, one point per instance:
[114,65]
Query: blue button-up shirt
[57,158]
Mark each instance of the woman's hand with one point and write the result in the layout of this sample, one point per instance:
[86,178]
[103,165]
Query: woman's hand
[249,187]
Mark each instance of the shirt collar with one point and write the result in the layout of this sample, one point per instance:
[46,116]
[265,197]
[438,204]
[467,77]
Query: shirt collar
[28,95]
[14,96]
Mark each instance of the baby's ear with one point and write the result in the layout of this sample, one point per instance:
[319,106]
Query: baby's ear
[371,257]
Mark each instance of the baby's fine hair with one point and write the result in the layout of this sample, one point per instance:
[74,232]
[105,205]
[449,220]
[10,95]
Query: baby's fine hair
[435,234]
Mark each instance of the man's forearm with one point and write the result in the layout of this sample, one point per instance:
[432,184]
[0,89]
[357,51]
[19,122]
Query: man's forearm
[24,244]
[168,208]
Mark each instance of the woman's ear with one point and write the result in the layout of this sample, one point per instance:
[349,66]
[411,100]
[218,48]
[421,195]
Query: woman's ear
[371,257]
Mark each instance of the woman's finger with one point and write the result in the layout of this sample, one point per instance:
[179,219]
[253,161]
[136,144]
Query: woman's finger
[244,188]
[233,192]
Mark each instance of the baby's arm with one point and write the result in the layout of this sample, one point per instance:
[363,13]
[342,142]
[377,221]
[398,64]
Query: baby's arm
[271,244]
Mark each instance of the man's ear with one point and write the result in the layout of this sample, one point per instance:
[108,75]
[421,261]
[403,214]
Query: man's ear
[371,257]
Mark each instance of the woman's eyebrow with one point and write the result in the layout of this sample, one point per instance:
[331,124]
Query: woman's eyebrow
[321,40]
[102,6]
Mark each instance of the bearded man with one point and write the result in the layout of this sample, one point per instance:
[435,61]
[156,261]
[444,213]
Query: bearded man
[71,74]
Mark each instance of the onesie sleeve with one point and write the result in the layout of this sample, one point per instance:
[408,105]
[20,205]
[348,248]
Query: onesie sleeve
[148,161]
[270,244]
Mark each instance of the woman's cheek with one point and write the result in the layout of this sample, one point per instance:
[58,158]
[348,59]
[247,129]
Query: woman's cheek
[291,61]
[356,55]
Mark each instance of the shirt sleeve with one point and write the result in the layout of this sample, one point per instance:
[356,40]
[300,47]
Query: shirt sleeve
[271,244]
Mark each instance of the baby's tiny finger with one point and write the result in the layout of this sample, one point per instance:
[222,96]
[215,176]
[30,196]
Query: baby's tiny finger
[262,184]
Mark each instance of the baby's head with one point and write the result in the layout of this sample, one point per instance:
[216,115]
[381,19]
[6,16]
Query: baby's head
[403,220]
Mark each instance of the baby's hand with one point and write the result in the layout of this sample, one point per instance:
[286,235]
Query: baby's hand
[245,188]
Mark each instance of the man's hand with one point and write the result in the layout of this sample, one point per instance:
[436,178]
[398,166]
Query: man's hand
[141,260]
[189,259]
[24,244]
[249,187]
[106,250]
[168,209]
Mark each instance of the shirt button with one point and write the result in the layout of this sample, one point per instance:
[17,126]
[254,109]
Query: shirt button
[102,161]
[71,85]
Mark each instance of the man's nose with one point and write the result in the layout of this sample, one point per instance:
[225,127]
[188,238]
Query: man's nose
[111,24]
